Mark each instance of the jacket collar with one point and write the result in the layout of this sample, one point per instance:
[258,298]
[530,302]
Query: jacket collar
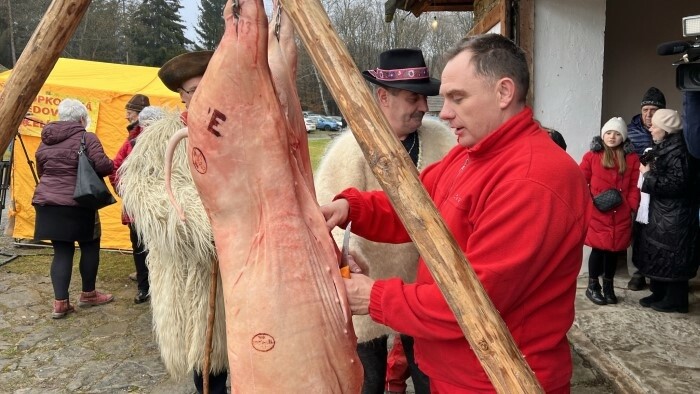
[519,125]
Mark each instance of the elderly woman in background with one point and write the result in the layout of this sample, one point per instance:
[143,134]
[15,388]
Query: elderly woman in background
[665,250]
[145,117]
[58,217]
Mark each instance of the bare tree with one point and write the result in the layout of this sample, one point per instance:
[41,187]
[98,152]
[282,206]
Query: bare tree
[360,25]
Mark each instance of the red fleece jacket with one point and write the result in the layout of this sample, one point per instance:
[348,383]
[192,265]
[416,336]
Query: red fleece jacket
[519,208]
[122,154]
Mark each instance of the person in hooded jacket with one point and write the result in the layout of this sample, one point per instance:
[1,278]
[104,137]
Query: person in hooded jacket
[666,249]
[610,164]
[59,218]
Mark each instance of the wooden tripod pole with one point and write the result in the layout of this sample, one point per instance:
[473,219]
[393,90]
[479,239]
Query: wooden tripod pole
[38,58]
[482,325]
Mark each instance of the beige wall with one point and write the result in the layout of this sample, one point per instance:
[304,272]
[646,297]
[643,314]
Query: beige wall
[633,29]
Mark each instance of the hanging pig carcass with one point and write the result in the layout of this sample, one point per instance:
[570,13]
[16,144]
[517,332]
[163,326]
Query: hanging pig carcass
[288,325]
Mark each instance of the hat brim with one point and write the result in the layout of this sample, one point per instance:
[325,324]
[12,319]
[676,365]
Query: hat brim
[428,87]
[183,67]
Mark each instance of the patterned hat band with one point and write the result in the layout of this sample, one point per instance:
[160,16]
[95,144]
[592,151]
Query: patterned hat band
[403,74]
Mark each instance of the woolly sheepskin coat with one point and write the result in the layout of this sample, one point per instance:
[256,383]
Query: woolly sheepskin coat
[612,230]
[180,254]
[343,166]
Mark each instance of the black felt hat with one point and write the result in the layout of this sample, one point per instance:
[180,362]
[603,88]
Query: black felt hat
[404,68]
[183,67]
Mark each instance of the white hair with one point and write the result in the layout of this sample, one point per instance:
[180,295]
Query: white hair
[73,110]
[150,114]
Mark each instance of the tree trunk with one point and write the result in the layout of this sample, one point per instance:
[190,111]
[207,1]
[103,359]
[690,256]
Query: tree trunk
[482,325]
[38,59]
[11,24]
[320,90]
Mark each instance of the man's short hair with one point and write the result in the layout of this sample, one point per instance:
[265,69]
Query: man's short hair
[494,57]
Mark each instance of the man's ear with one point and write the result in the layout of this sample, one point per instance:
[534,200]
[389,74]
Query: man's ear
[382,96]
[505,89]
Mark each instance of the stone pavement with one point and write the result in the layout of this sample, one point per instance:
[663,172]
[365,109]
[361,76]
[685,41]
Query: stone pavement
[638,349]
[105,349]
[110,349]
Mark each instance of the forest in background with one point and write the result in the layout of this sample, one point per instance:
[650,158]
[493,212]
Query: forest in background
[149,32]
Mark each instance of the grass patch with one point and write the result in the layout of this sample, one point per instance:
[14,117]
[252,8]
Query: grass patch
[317,147]
[113,265]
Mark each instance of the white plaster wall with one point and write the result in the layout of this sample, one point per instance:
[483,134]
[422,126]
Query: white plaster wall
[568,72]
[568,69]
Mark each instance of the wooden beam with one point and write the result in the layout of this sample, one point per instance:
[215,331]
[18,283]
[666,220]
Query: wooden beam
[525,34]
[482,325]
[38,59]
[492,17]
[506,21]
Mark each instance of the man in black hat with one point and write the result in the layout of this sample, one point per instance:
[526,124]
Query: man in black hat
[401,84]
[638,129]
[640,136]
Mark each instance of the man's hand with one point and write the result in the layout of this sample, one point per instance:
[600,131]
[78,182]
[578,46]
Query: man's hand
[336,213]
[359,288]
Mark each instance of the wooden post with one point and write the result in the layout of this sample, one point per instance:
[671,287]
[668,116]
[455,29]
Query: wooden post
[38,58]
[482,325]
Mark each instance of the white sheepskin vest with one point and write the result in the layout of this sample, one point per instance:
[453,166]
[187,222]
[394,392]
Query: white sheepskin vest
[342,166]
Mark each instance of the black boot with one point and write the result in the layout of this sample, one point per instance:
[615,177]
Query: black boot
[658,290]
[609,291]
[593,292]
[637,282]
[675,300]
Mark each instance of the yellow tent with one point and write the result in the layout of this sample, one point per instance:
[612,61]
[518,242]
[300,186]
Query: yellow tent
[105,89]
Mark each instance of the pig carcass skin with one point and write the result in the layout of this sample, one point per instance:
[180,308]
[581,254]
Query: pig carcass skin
[288,325]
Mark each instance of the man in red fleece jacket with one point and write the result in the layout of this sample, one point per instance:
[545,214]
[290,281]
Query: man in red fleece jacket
[518,207]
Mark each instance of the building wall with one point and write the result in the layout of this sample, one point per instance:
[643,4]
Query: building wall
[633,30]
[568,72]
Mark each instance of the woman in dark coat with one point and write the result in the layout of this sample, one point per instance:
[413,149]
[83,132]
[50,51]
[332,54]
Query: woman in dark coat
[665,250]
[58,217]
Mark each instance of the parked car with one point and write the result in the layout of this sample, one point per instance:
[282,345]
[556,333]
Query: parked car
[310,125]
[327,124]
[338,119]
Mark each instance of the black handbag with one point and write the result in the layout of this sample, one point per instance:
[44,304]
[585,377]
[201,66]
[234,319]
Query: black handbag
[607,200]
[90,189]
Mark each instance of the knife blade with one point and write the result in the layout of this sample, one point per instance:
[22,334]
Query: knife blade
[345,253]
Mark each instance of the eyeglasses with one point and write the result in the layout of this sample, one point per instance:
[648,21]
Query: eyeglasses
[190,92]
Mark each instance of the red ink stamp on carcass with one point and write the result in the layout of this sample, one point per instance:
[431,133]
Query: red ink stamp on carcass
[216,118]
[199,161]
[263,342]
